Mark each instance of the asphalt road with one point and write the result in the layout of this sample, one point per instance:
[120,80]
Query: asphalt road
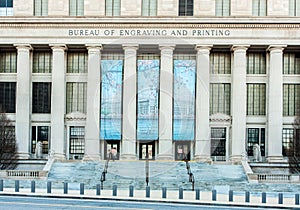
[38,203]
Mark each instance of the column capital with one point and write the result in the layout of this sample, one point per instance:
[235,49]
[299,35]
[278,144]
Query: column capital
[93,47]
[200,47]
[235,48]
[23,46]
[58,46]
[130,46]
[167,46]
[273,48]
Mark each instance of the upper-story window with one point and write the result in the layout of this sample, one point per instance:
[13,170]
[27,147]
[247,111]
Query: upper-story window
[294,8]
[76,7]
[149,7]
[222,7]
[259,7]
[186,7]
[40,7]
[6,7]
[112,7]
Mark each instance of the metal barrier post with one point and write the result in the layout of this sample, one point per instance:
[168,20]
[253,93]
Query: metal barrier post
[148,192]
[114,190]
[131,191]
[247,197]
[1,185]
[230,195]
[32,186]
[296,199]
[48,187]
[264,197]
[98,189]
[280,198]
[81,189]
[164,192]
[180,193]
[197,194]
[214,195]
[65,188]
[17,186]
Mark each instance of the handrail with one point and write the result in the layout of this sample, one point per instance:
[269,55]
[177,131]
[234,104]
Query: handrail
[147,171]
[104,172]
[189,172]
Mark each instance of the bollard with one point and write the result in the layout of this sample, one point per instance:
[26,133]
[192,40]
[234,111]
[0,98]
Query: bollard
[17,186]
[180,193]
[264,197]
[148,192]
[296,199]
[1,185]
[164,192]
[280,198]
[247,197]
[197,194]
[81,189]
[114,190]
[32,186]
[65,188]
[230,195]
[214,195]
[98,189]
[131,191]
[48,187]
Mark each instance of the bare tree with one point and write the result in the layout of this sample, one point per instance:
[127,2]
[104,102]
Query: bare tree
[8,145]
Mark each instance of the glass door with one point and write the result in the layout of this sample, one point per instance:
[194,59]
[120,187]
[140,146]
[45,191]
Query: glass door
[112,147]
[147,150]
[182,151]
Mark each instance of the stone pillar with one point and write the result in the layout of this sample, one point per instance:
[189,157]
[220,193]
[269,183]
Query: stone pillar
[129,103]
[239,102]
[92,129]
[23,100]
[58,101]
[166,103]
[202,144]
[275,96]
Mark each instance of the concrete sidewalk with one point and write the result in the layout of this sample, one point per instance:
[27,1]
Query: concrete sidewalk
[189,197]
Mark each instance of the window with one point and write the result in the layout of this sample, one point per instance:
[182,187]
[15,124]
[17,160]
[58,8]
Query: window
[112,7]
[41,97]
[76,97]
[8,62]
[255,136]
[218,143]
[111,97]
[291,63]
[259,7]
[220,63]
[291,142]
[77,62]
[186,7]
[222,7]
[76,7]
[77,135]
[149,7]
[256,99]
[148,67]
[8,97]
[219,99]
[294,8]
[184,80]
[40,134]
[40,7]
[256,63]
[6,7]
[42,62]
[291,99]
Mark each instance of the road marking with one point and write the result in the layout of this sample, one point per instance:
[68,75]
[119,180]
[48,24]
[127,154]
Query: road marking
[69,205]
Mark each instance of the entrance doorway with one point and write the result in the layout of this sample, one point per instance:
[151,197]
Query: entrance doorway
[147,150]
[182,150]
[112,146]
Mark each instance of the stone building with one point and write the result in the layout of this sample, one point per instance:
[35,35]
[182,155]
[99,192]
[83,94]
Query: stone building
[163,79]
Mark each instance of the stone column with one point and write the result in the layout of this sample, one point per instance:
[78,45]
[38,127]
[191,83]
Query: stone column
[166,103]
[23,100]
[239,102]
[202,144]
[275,96]
[92,129]
[58,101]
[129,103]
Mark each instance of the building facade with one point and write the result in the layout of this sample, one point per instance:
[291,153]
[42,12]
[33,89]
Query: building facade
[159,79]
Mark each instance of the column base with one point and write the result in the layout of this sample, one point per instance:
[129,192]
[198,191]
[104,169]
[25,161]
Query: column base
[23,156]
[91,158]
[128,157]
[275,159]
[165,157]
[204,159]
[236,159]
